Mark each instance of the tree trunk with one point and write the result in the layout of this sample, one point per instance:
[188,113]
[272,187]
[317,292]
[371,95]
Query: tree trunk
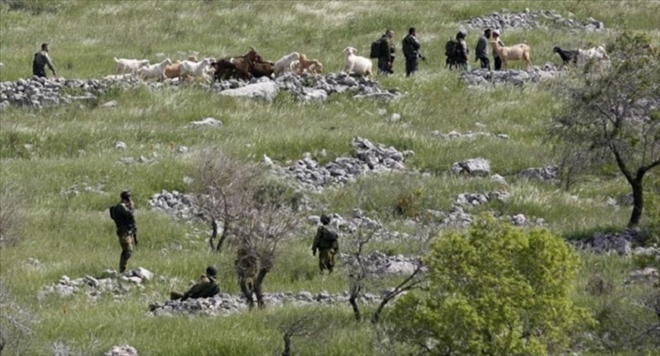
[287,345]
[355,292]
[257,286]
[638,202]
[376,317]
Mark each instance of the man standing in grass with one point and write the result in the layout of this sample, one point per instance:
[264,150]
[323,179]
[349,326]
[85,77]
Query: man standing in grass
[206,287]
[387,50]
[481,52]
[41,60]
[410,48]
[122,214]
[326,243]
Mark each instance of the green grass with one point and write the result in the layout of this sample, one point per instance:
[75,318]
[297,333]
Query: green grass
[74,236]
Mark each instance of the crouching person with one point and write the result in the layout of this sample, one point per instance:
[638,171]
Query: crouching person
[205,288]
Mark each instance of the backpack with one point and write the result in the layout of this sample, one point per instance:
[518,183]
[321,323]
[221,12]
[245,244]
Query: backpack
[451,48]
[375,49]
[112,212]
[329,235]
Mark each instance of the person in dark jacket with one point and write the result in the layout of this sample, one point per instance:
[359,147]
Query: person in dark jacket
[40,61]
[410,47]
[481,52]
[387,50]
[122,214]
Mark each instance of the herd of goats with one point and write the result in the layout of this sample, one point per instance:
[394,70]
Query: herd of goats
[252,65]
[246,67]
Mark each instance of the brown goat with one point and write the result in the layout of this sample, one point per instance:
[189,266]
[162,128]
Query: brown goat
[262,69]
[240,66]
[173,70]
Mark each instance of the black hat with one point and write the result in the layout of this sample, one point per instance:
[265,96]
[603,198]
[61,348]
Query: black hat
[126,194]
[211,271]
[325,219]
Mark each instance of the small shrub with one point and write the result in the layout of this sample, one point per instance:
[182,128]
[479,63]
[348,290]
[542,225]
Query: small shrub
[10,219]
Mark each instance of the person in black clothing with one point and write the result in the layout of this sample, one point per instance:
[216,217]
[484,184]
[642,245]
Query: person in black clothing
[410,48]
[40,61]
[387,50]
[122,214]
[481,52]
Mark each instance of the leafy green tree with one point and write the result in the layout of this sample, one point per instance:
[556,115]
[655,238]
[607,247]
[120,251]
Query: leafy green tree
[612,115]
[494,290]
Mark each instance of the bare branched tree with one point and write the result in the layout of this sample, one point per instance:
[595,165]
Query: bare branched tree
[614,114]
[304,326]
[250,212]
[360,273]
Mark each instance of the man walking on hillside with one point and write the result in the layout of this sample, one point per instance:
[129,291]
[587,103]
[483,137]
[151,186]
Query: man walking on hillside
[326,243]
[387,50]
[40,61]
[481,52]
[206,287]
[122,214]
[410,47]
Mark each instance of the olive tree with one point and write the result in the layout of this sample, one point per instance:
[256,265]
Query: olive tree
[493,290]
[612,115]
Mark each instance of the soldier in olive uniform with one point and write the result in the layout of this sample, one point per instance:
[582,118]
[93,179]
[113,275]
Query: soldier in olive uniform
[326,243]
[122,214]
[205,288]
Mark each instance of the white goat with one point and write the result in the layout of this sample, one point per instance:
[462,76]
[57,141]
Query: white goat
[356,64]
[154,70]
[129,65]
[516,52]
[285,63]
[194,69]
[598,53]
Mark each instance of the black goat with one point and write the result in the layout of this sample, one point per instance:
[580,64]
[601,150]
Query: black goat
[567,56]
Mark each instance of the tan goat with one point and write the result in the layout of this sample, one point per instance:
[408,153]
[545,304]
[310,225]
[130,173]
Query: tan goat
[512,53]
[173,70]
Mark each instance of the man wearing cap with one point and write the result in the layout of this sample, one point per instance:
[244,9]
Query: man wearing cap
[122,214]
[481,52]
[326,243]
[40,61]
[206,287]
[496,57]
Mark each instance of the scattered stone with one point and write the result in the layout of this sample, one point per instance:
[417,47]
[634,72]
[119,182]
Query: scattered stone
[265,90]
[620,242]
[498,179]
[124,350]
[110,104]
[648,275]
[181,148]
[484,77]
[541,19]
[120,145]
[518,220]
[394,118]
[368,158]
[472,167]
[544,174]
[378,263]
[108,282]
[208,122]
[43,92]
[227,304]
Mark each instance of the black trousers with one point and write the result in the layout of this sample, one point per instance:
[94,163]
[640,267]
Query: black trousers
[384,67]
[412,63]
[485,63]
[498,63]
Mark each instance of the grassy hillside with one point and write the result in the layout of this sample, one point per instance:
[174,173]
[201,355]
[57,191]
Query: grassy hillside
[73,235]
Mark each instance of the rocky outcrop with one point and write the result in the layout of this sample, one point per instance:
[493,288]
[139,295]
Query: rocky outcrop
[531,19]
